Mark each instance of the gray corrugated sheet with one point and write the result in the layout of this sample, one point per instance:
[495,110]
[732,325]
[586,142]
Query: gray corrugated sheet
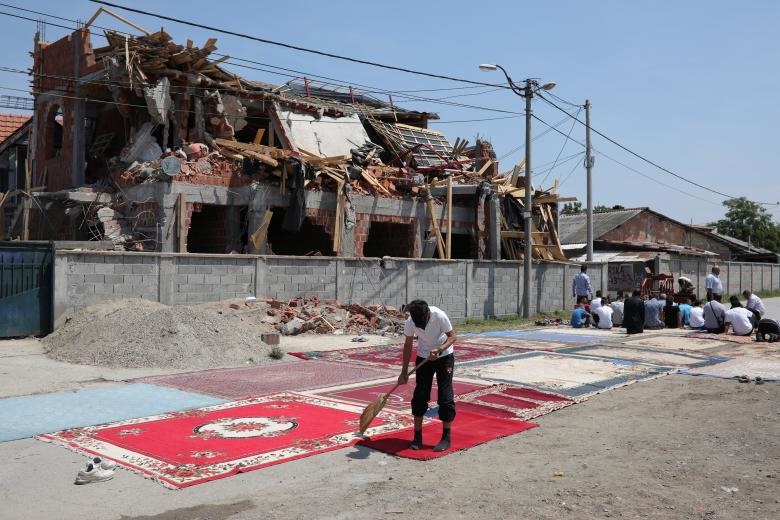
[572,228]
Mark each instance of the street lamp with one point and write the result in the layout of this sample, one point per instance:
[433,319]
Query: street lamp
[527,91]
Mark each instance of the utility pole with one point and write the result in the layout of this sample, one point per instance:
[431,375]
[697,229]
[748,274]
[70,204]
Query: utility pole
[589,168]
[527,210]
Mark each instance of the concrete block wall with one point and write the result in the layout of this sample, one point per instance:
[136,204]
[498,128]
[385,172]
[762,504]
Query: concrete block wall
[287,277]
[207,278]
[441,283]
[464,288]
[83,279]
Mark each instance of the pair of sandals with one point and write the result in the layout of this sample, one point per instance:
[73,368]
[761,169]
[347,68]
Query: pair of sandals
[745,379]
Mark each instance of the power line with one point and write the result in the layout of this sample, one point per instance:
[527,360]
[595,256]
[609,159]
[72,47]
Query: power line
[296,47]
[645,159]
[410,98]
[565,142]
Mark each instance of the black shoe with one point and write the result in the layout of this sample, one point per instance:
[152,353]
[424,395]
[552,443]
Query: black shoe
[444,444]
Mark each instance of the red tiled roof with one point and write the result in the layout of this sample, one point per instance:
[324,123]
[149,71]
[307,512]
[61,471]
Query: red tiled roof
[10,123]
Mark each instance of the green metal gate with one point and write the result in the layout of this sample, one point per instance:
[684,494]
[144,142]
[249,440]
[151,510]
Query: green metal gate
[26,289]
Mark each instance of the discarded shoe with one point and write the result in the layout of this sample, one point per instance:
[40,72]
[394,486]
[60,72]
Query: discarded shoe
[743,379]
[104,463]
[360,339]
[759,380]
[93,473]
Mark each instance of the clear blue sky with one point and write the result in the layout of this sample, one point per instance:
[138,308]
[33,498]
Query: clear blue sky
[692,85]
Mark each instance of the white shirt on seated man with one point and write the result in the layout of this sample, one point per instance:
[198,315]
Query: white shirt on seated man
[604,313]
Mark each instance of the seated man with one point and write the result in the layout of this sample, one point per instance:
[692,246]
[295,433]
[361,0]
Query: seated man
[617,308]
[579,316]
[595,303]
[697,316]
[714,315]
[754,304]
[740,320]
[685,312]
[604,313]
[654,312]
[634,314]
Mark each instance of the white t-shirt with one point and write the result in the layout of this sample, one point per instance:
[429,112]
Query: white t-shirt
[697,318]
[755,303]
[595,303]
[433,335]
[739,318]
[604,312]
[713,282]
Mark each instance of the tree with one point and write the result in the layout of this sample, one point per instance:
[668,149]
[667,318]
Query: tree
[600,208]
[749,222]
[575,208]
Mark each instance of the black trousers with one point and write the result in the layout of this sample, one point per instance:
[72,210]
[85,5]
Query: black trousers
[443,368]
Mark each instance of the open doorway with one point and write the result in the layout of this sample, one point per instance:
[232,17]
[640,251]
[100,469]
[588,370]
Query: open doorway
[208,230]
[389,239]
[311,239]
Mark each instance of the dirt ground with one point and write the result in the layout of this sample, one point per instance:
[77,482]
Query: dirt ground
[666,448]
[659,449]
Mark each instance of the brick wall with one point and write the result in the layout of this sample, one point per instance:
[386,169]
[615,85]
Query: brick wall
[463,288]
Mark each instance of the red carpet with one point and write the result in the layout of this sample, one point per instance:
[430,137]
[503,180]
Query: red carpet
[470,429]
[505,400]
[522,403]
[182,449]
[391,355]
[530,393]
[722,337]
[291,376]
[401,398]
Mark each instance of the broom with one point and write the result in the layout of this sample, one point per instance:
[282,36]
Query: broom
[373,409]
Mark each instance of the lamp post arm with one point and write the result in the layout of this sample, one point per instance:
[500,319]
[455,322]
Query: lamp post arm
[517,90]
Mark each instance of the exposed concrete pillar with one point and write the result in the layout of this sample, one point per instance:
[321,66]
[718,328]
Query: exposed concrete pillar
[78,143]
[60,288]
[261,267]
[166,270]
[165,198]
[409,280]
[468,267]
[566,283]
[494,229]
[340,292]
[520,272]
[76,130]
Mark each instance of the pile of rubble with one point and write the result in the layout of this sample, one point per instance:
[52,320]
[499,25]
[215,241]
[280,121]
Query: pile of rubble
[333,317]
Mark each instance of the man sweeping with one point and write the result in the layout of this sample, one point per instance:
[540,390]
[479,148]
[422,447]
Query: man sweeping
[435,338]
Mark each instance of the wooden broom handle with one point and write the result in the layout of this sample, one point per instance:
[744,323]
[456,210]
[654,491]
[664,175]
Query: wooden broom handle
[409,374]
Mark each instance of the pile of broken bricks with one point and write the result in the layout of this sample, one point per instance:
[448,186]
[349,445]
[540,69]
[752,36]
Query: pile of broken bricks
[333,317]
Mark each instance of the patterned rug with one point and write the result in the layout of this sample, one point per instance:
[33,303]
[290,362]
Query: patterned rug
[566,374]
[722,337]
[471,428]
[400,399]
[554,336]
[186,448]
[522,403]
[391,355]
[525,344]
[677,343]
[237,383]
[645,355]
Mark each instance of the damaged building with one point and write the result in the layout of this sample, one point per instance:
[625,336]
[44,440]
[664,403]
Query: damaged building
[151,145]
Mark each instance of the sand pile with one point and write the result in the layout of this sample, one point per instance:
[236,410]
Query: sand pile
[140,333]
